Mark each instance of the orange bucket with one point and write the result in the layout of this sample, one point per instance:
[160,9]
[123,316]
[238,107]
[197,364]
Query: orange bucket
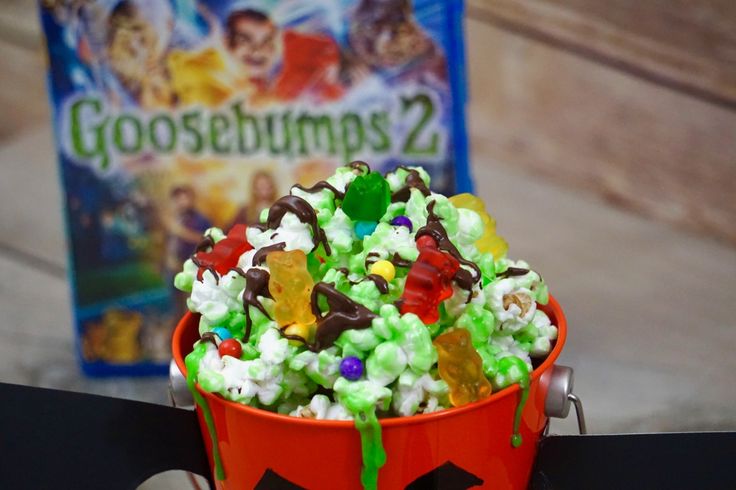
[470,443]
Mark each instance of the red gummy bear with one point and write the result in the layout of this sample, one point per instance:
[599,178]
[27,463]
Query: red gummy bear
[428,283]
[225,253]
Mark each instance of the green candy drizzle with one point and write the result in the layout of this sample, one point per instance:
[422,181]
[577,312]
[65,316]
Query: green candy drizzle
[192,362]
[524,385]
[374,456]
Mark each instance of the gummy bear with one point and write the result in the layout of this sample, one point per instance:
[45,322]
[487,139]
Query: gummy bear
[291,287]
[428,283]
[489,241]
[225,253]
[367,198]
[461,367]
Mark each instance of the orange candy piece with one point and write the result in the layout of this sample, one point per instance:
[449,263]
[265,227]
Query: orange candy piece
[291,287]
[461,367]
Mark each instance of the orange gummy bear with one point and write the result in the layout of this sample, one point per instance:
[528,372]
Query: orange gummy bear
[290,286]
[461,367]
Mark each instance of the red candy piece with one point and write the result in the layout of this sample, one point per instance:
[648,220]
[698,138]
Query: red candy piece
[426,241]
[225,253]
[230,347]
[428,283]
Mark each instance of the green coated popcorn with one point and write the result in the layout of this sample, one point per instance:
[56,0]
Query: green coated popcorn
[479,321]
[367,353]
[362,396]
[416,209]
[339,230]
[184,280]
[386,362]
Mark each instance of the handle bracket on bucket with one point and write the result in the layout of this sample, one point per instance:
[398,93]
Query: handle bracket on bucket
[179,393]
[560,396]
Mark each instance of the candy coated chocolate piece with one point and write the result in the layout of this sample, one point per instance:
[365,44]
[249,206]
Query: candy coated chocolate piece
[384,268]
[300,330]
[222,332]
[402,221]
[367,198]
[225,253]
[426,241]
[351,368]
[428,283]
[365,228]
[461,367]
[290,285]
[230,347]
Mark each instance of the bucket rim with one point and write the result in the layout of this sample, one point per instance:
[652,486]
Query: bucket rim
[552,307]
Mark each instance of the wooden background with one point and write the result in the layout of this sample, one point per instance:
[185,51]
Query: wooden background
[632,100]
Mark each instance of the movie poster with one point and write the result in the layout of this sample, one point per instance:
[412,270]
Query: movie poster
[172,116]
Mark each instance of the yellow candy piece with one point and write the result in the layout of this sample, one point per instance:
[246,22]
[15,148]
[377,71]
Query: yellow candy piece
[383,268]
[304,331]
[489,241]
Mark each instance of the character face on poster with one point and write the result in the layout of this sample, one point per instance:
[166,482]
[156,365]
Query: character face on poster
[175,116]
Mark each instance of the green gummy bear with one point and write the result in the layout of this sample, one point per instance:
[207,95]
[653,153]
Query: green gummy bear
[367,198]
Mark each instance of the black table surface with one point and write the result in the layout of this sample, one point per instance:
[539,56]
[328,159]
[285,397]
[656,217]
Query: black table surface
[59,439]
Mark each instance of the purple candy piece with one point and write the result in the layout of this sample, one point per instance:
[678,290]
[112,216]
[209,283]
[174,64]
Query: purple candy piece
[402,221]
[351,368]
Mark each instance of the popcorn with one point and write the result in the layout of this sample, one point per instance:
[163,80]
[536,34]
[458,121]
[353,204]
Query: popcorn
[366,354]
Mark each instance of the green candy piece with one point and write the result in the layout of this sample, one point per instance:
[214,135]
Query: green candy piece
[367,198]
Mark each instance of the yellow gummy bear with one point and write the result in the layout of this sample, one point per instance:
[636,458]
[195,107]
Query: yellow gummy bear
[489,241]
[290,286]
[461,367]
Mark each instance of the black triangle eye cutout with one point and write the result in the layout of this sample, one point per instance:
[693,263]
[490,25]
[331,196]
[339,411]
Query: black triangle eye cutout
[448,476]
[273,481]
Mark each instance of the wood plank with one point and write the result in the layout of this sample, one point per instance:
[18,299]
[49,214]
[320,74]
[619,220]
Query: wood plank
[23,96]
[640,145]
[689,46]
[30,200]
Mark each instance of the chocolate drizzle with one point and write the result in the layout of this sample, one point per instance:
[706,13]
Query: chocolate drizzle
[413,181]
[205,245]
[202,267]
[343,314]
[513,272]
[260,256]
[463,278]
[209,337]
[320,186]
[359,165]
[303,211]
[399,261]
[380,282]
[256,284]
